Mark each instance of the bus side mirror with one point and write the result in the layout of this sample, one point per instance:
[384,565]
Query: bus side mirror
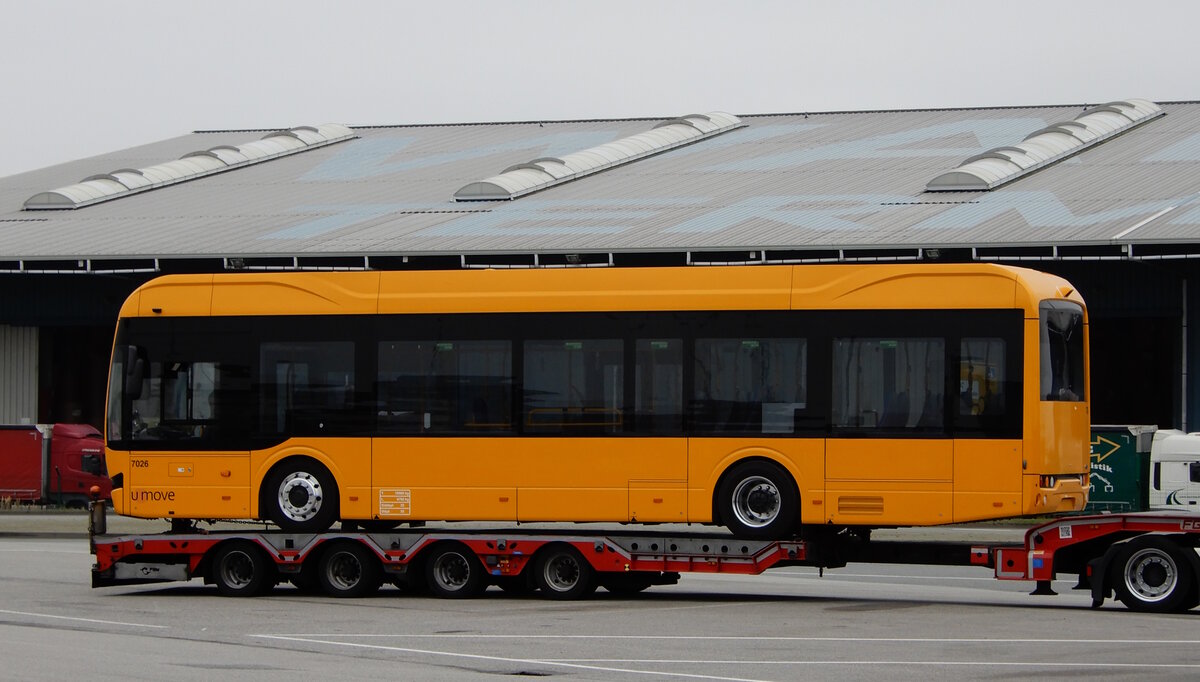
[135,373]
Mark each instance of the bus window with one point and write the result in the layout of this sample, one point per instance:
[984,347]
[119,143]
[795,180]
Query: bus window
[981,377]
[658,386]
[574,386]
[889,384]
[444,386]
[306,388]
[1062,367]
[181,400]
[750,385]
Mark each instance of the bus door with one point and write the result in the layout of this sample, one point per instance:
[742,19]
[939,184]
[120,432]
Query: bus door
[186,435]
[888,456]
[603,424]
[446,448]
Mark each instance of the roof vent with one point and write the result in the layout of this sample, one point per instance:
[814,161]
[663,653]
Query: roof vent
[539,174]
[119,183]
[1049,145]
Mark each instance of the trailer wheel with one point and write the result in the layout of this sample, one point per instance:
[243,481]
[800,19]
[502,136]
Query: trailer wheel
[301,496]
[758,500]
[1155,576]
[242,569]
[349,569]
[561,572]
[452,571]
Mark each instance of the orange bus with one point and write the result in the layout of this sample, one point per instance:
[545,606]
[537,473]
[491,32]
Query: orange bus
[755,397]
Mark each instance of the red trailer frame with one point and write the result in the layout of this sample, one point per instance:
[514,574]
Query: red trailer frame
[1149,560]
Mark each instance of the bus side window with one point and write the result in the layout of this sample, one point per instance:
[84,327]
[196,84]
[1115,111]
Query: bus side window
[889,384]
[757,385]
[444,386]
[1194,472]
[574,386]
[307,387]
[981,377]
[658,386]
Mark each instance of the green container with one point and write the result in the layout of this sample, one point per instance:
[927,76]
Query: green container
[1120,468]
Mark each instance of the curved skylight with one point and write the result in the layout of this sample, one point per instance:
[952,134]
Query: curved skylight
[544,172]
[119,183]
[1054,143]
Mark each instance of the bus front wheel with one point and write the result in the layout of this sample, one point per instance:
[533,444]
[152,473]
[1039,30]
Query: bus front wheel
[758,500]
[301,496]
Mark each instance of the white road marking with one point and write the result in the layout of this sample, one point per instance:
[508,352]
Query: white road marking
[81,620]
[809,662]
[504,659]
[749,638]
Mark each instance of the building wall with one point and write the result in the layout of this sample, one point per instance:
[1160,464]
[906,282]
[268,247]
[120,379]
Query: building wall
[18,375]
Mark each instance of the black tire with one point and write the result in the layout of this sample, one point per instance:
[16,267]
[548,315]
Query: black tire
[300,496]
[561,572]
[349,569]
[1154,575]
[625,584]
[306,580]
[758,500]
[241,569]
[453,572]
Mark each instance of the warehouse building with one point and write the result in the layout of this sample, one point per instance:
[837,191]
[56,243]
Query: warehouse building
[1103,194]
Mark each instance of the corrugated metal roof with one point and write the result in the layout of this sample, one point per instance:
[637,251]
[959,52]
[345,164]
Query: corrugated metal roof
[799,182]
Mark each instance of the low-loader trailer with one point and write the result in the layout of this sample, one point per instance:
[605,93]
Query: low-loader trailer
[1150,561]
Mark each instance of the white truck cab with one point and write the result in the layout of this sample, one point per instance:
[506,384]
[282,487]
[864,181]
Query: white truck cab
[1175,471]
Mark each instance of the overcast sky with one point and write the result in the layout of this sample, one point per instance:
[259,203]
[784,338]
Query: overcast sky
[84,77]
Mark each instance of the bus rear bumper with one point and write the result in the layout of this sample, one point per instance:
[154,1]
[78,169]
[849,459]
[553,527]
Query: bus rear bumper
[1055,493]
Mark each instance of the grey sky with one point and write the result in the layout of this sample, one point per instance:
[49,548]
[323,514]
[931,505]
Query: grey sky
[83,78]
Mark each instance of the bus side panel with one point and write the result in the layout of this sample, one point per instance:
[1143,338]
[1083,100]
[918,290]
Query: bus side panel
[589,479]
[1065,438]
[709,458]
[348,459]
[214,485]
[445,479]
[987,479]
[876,481]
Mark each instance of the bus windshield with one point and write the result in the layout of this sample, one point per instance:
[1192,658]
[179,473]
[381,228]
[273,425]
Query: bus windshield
[1062,347]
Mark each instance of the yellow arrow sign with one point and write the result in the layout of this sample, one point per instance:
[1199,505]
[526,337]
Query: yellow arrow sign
[1111,446]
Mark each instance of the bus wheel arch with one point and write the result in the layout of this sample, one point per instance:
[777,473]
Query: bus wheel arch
[757,498]
[299,494]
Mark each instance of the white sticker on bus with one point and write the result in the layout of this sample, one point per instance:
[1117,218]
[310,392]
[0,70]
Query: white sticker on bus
[395,502]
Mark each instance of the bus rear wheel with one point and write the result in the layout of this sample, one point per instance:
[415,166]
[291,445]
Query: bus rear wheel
[301,496]
[758,500]
[1155,576]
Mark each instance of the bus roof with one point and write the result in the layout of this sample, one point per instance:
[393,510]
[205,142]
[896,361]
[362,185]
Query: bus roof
[761,287]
